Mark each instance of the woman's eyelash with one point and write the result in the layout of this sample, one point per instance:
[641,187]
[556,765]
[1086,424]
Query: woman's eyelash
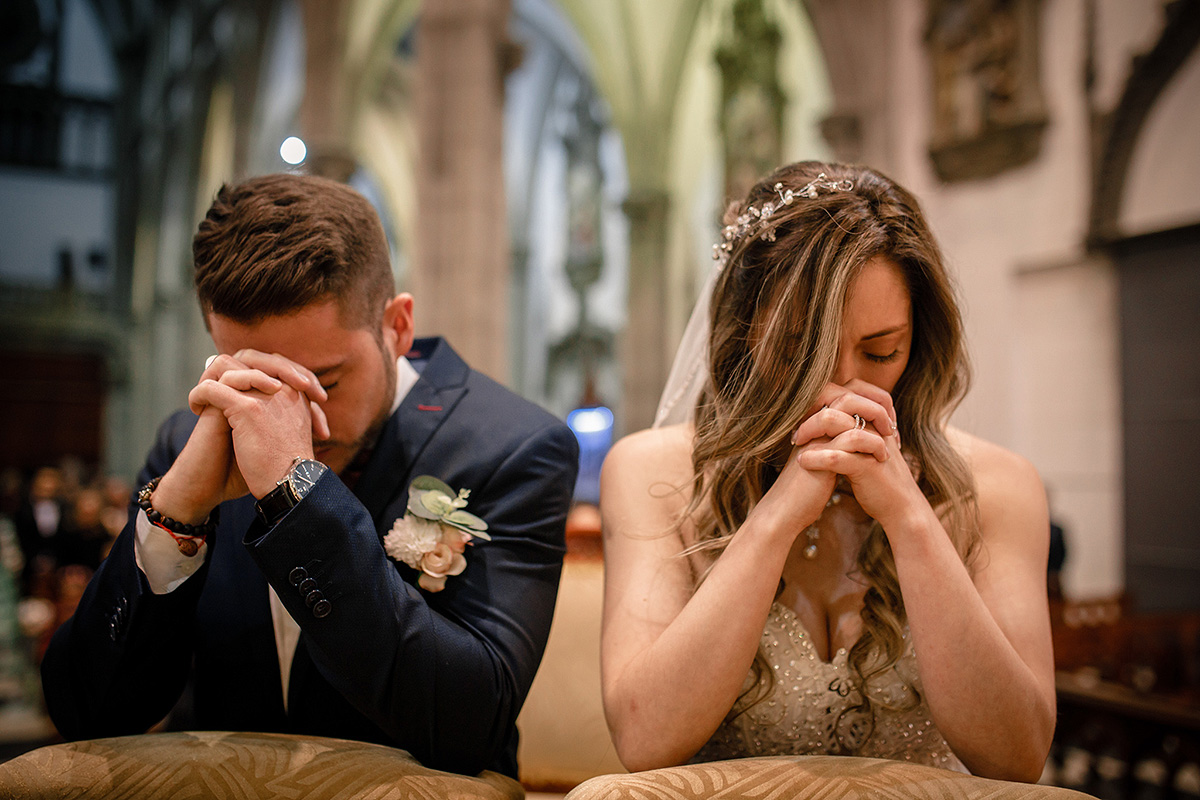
[330,386]
[892,356]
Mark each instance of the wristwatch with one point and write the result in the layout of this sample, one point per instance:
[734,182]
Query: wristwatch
[298,482]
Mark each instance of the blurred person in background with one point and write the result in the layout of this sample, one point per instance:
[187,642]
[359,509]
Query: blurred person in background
[38,522]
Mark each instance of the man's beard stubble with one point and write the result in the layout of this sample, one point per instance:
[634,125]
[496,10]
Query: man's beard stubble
[359,447]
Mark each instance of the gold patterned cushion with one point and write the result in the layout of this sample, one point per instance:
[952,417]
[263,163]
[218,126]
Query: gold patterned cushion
[804,777]
[216,766]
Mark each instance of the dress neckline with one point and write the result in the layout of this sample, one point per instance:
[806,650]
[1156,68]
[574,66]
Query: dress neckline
[792,620]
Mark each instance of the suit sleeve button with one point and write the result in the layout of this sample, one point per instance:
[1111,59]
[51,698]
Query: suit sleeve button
[306,586]
[321,609]
[296,575]
[313,597]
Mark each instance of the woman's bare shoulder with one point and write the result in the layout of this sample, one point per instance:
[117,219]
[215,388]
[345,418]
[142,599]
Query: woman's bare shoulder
[648,473]
[989,462]
[1007,485]
[664,452]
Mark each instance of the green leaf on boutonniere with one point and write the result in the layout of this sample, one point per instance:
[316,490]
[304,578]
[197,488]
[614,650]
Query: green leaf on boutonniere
[468,522]
[427,482]
[432,499]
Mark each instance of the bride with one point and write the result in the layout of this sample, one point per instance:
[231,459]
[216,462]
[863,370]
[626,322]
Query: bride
[812,561]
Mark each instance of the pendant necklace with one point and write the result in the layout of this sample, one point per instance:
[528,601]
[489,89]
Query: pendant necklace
[813,533]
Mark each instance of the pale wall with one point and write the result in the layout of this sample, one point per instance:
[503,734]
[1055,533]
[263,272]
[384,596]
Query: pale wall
[1040,313]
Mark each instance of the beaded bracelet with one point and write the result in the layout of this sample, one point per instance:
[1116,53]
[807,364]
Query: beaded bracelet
[188,538]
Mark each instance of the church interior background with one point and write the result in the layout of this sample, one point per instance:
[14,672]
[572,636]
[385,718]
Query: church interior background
[551,175]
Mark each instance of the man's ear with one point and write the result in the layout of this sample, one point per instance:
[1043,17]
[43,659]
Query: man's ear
[398,324]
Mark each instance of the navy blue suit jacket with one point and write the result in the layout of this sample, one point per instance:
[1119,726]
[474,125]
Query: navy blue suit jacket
[441,675]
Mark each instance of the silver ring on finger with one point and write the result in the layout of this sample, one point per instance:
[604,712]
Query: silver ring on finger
[208,361]
[859,423]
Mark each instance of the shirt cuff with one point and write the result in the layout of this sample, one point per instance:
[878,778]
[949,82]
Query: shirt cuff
[158,557]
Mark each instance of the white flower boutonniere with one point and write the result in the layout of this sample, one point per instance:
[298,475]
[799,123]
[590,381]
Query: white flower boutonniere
[434,532]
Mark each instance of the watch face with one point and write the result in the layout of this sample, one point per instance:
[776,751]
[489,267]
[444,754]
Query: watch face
[304,475]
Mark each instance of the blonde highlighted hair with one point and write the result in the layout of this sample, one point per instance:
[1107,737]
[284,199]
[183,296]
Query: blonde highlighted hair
[776,317]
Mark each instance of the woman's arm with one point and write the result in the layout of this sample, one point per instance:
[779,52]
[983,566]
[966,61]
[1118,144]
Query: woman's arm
[982,641]
[983,645]
[673,662]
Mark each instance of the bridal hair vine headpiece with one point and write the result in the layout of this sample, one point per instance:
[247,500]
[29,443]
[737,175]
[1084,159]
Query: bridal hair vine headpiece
[755,219]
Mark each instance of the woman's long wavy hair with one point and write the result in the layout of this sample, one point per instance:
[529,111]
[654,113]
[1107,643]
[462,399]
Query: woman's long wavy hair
[776,319]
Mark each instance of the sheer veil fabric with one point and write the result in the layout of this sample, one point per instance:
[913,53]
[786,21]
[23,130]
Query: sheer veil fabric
[689,370]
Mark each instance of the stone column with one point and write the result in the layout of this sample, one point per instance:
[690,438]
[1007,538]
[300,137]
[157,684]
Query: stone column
[325,109]
[856,38]
[644,356]
[460,275]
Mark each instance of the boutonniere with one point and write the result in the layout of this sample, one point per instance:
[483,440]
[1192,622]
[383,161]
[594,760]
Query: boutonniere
[434,532]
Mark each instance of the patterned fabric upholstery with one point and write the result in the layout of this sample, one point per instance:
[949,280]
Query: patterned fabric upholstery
[237,766]
[804,777]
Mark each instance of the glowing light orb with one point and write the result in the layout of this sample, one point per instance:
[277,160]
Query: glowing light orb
[293,150]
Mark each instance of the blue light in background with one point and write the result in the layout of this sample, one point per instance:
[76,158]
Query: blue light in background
[593,427]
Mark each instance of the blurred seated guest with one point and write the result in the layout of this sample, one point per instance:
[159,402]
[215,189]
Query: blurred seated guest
[299,543]
[74,476]
[38,522]
[1057,557]
[117,494]
[82,539]
[12,492]
[36,618]
[1054,564]
[811,561]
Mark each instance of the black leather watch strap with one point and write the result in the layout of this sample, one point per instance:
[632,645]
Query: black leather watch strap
[275,504]
[298,482]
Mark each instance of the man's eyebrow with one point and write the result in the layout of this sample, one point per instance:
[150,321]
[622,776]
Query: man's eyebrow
[887,332]
[326,370]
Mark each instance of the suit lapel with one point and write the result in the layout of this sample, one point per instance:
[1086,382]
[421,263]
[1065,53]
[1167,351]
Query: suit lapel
[383,486]
[442,383]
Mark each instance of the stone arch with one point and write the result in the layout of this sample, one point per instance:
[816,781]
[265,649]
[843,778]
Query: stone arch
[1119,131]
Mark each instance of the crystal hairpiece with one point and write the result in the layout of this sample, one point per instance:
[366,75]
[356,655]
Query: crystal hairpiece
[753,220]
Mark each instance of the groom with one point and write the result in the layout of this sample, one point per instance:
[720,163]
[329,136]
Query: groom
[253,564]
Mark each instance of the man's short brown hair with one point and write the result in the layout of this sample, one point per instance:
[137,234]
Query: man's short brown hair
[275,244]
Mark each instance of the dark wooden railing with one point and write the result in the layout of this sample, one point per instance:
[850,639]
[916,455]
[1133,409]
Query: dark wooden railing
[1128,701]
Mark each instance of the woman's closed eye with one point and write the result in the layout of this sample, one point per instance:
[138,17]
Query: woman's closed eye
[885,358]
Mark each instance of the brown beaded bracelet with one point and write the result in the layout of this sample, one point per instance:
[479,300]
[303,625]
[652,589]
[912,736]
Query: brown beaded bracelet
[187,537]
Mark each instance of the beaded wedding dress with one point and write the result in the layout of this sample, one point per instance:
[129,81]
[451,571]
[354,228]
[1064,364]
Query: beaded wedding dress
[802,714]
